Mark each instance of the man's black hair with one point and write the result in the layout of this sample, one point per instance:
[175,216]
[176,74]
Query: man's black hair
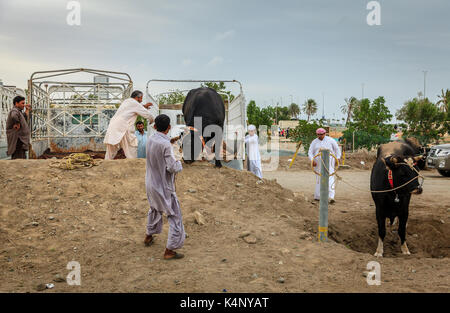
[136,94]
[17,99]
[139,122]
[162,122]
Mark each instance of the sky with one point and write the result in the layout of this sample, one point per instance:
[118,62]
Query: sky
[279,50]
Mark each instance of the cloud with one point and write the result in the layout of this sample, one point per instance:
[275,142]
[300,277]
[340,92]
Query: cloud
[225,35]
[215,61]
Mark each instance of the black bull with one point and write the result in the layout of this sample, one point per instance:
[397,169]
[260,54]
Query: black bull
[400,160]
[203,107]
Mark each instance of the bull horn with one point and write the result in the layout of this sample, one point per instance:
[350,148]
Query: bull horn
[417,158]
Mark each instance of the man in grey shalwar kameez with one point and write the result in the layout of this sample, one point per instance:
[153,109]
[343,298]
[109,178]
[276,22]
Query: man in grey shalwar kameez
[160,183]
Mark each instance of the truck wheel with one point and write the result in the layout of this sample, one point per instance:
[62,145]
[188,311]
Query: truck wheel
[444,173]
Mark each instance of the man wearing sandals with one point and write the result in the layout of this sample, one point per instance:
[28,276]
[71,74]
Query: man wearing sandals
[160,184]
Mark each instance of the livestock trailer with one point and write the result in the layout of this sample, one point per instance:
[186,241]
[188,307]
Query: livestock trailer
[71,108]
[235,124]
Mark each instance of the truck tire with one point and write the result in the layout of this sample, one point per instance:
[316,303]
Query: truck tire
[444,173]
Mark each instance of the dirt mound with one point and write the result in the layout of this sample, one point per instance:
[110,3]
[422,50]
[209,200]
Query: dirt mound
[352,159]
[255,233]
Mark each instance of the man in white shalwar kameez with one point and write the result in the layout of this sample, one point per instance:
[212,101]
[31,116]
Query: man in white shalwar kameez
[324,142]
[120,133]
[253,155]
[160,184]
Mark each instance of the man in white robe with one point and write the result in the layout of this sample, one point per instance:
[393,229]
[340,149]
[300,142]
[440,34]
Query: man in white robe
[160,184]
[120,133]
[253,155]
[324,142]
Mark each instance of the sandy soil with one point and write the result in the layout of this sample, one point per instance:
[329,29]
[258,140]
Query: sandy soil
[97,217]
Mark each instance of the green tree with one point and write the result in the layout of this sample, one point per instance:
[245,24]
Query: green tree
[305,132]
[370,124]
[281,113]
[175,97]
[348,108]
[310,108]
[444,101]
[423,120]
[294,110]
[257,116]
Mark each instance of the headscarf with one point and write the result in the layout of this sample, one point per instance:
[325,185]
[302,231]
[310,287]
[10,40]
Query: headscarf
[320,131]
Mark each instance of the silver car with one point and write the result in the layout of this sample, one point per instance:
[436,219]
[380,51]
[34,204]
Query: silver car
[439,158]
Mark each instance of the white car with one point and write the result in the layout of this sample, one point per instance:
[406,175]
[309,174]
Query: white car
[439,158]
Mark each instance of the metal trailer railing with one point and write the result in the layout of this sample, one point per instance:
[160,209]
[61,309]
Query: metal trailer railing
[7,94]
[235,115]
[72,114]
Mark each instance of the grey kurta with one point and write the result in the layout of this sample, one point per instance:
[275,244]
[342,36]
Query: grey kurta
[160,184]
[15,116]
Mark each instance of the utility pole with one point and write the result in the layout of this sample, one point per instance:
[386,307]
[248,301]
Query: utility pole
[323,105]
[424,82]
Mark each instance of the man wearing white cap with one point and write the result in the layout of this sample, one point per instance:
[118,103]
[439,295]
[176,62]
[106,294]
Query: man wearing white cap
[324,142]
[253,156]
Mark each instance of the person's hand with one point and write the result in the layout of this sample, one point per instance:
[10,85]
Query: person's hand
[172,140]
[148,104]
[314,163]
[16,126]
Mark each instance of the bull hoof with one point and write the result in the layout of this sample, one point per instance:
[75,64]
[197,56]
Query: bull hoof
[378,254]
[405,249]
[218,164]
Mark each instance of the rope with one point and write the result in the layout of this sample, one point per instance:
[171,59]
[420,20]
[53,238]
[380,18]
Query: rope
[75,160]
[371,191]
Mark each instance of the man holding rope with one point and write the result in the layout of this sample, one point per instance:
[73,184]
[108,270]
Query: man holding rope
[324,142]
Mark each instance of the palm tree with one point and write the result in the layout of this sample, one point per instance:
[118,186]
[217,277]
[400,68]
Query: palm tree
[294,110]
[445,100]
[348,108]
[310,107]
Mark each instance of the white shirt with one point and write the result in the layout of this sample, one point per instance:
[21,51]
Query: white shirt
[122,123]
[252,147]
[326,143]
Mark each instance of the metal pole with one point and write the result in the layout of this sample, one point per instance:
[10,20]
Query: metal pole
[324,190]
[424,82]
[353,146]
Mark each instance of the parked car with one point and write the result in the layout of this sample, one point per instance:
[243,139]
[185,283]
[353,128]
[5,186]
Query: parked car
[439,158]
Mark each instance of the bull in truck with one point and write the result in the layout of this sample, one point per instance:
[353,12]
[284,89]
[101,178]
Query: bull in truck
[394,177]
[207,106]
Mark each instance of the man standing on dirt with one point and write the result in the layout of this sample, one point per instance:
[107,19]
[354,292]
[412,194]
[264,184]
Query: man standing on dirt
[160,184]
[324,142]
[141,136]
[120,133]
[17,130]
